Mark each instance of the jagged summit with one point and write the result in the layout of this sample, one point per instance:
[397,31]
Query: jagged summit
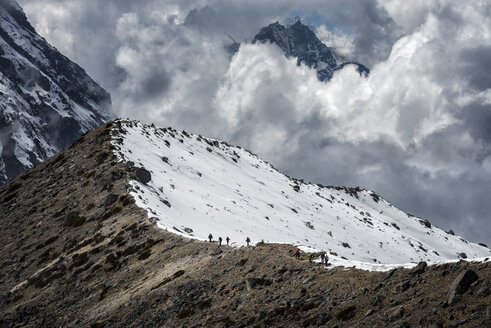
[289,21]
[298,40]
[46,100]
[196,186]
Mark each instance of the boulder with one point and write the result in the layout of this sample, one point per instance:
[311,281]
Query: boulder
[346,313]
[460,286]
[111,198]
[73,219]
[397,314]
[402,287]
[252,283]
[323,319]
[426,223]
[485,288]
[418,269]
[142,175]
[435,325]
[390,274]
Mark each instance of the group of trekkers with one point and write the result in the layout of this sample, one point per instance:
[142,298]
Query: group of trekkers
[220,240]
[324,257]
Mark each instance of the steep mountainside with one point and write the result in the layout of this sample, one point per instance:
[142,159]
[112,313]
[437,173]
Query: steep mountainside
[78,252]
[46,101]
[299,41]
[200,186]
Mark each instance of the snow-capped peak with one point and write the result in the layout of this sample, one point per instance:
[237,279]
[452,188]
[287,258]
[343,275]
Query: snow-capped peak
[200,186]
[298,40]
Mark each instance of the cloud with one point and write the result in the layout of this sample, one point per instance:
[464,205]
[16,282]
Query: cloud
[342,44]
[416,130]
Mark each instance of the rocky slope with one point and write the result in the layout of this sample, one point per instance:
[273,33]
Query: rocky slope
[78,252]
[46,100]
[298,40]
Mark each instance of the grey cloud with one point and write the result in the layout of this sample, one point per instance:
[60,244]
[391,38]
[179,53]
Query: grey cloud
[451,203]
[156,84]
[473,60]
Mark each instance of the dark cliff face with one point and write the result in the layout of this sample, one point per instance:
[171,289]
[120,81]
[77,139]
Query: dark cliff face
[299,41]
[47,101]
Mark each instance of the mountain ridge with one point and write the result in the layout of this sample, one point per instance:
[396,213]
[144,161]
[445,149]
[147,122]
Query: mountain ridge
[77,251]
[48,101]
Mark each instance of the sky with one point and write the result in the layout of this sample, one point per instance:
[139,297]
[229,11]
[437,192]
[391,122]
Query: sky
[417,129]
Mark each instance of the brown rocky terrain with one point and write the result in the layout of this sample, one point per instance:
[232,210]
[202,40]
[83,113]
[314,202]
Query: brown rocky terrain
[77,252]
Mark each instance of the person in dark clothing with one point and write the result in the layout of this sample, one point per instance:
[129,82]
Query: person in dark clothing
[210,237]
[248,240]
[297,254]
[227,239]
[326,258]
[322,258]
[220,241]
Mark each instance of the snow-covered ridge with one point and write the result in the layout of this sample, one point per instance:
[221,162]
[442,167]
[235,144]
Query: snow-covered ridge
[200,186]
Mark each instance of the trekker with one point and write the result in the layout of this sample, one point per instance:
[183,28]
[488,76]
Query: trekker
[227,239]
[326,259]
[297,254]
[310,257]
[248,240]
[220,241]
[322,258]
[210,237]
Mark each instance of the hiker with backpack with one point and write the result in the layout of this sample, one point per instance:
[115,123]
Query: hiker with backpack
[248,240]
[220,241]
[227,239]
[210,237]
[297,254]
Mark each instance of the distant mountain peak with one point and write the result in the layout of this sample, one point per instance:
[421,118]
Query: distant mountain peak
[300,41]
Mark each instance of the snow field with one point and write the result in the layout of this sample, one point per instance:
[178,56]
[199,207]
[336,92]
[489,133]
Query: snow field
[201,186]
